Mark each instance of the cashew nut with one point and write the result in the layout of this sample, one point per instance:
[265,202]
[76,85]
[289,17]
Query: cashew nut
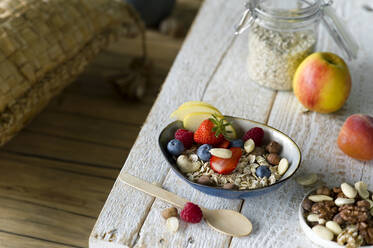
[186,165]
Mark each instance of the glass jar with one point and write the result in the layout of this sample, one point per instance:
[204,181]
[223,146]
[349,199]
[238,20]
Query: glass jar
[283,33]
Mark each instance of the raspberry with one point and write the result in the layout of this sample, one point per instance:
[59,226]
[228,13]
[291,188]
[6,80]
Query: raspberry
[185,136]
[191,213]
[256,134]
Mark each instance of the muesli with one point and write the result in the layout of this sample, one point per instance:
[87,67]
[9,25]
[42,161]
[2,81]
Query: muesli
[207,157]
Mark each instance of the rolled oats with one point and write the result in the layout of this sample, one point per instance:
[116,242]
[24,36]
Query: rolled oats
[251,158]
[274,56]
[261,160]
[243,177]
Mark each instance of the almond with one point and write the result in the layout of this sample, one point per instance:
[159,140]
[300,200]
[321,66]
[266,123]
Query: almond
[221,152]
[323,232]
[313,218]
[283,166]
[334,227]
[320,198]
[249,145]
[348,190]
[362,189]
[343,201]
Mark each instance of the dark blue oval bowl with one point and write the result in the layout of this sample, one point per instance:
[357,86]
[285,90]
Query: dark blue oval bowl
[290,150]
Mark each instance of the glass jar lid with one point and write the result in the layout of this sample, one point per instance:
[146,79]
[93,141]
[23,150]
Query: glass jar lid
[297,14]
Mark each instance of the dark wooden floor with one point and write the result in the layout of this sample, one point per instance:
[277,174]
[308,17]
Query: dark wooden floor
[56,174]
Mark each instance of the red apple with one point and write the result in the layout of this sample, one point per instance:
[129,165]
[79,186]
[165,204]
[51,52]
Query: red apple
[356,137]
[322,82]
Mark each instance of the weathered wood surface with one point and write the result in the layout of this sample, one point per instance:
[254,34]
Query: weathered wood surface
[211,67]
[31,218]
[59,189]
[9,240]
[55,175]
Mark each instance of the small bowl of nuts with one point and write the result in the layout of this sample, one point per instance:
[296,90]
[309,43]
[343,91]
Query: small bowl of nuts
[339,216]
[257,160]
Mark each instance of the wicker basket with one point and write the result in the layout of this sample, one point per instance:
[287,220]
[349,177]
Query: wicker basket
[45,44]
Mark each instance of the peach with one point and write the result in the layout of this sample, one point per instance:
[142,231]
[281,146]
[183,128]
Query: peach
[322,82]
[356,137]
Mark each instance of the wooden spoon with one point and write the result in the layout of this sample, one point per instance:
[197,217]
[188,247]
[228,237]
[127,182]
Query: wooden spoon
[225,221]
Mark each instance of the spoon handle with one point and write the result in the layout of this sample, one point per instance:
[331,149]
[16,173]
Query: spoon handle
[152,190]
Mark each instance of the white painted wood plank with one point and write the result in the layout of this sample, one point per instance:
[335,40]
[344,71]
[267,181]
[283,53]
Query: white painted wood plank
[253,102]
[362,98]
[125,209]
[272,214]
[275,215]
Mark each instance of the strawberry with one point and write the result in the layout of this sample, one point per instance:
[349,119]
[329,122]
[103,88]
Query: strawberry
[205,135]
[224,144]
[211,131]
[226,165]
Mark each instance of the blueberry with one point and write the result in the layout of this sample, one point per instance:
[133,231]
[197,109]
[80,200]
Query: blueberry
[175,147]
[203,152]
[263,171]
[237,143]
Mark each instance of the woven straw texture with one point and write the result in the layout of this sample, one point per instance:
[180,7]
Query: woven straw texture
[45,44]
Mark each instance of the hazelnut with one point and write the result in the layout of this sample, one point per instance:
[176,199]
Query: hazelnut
[229,186]
[169,212]
[205,180]
[273,147]
[323,191]
[273,158]
[307,204]
[258,151]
